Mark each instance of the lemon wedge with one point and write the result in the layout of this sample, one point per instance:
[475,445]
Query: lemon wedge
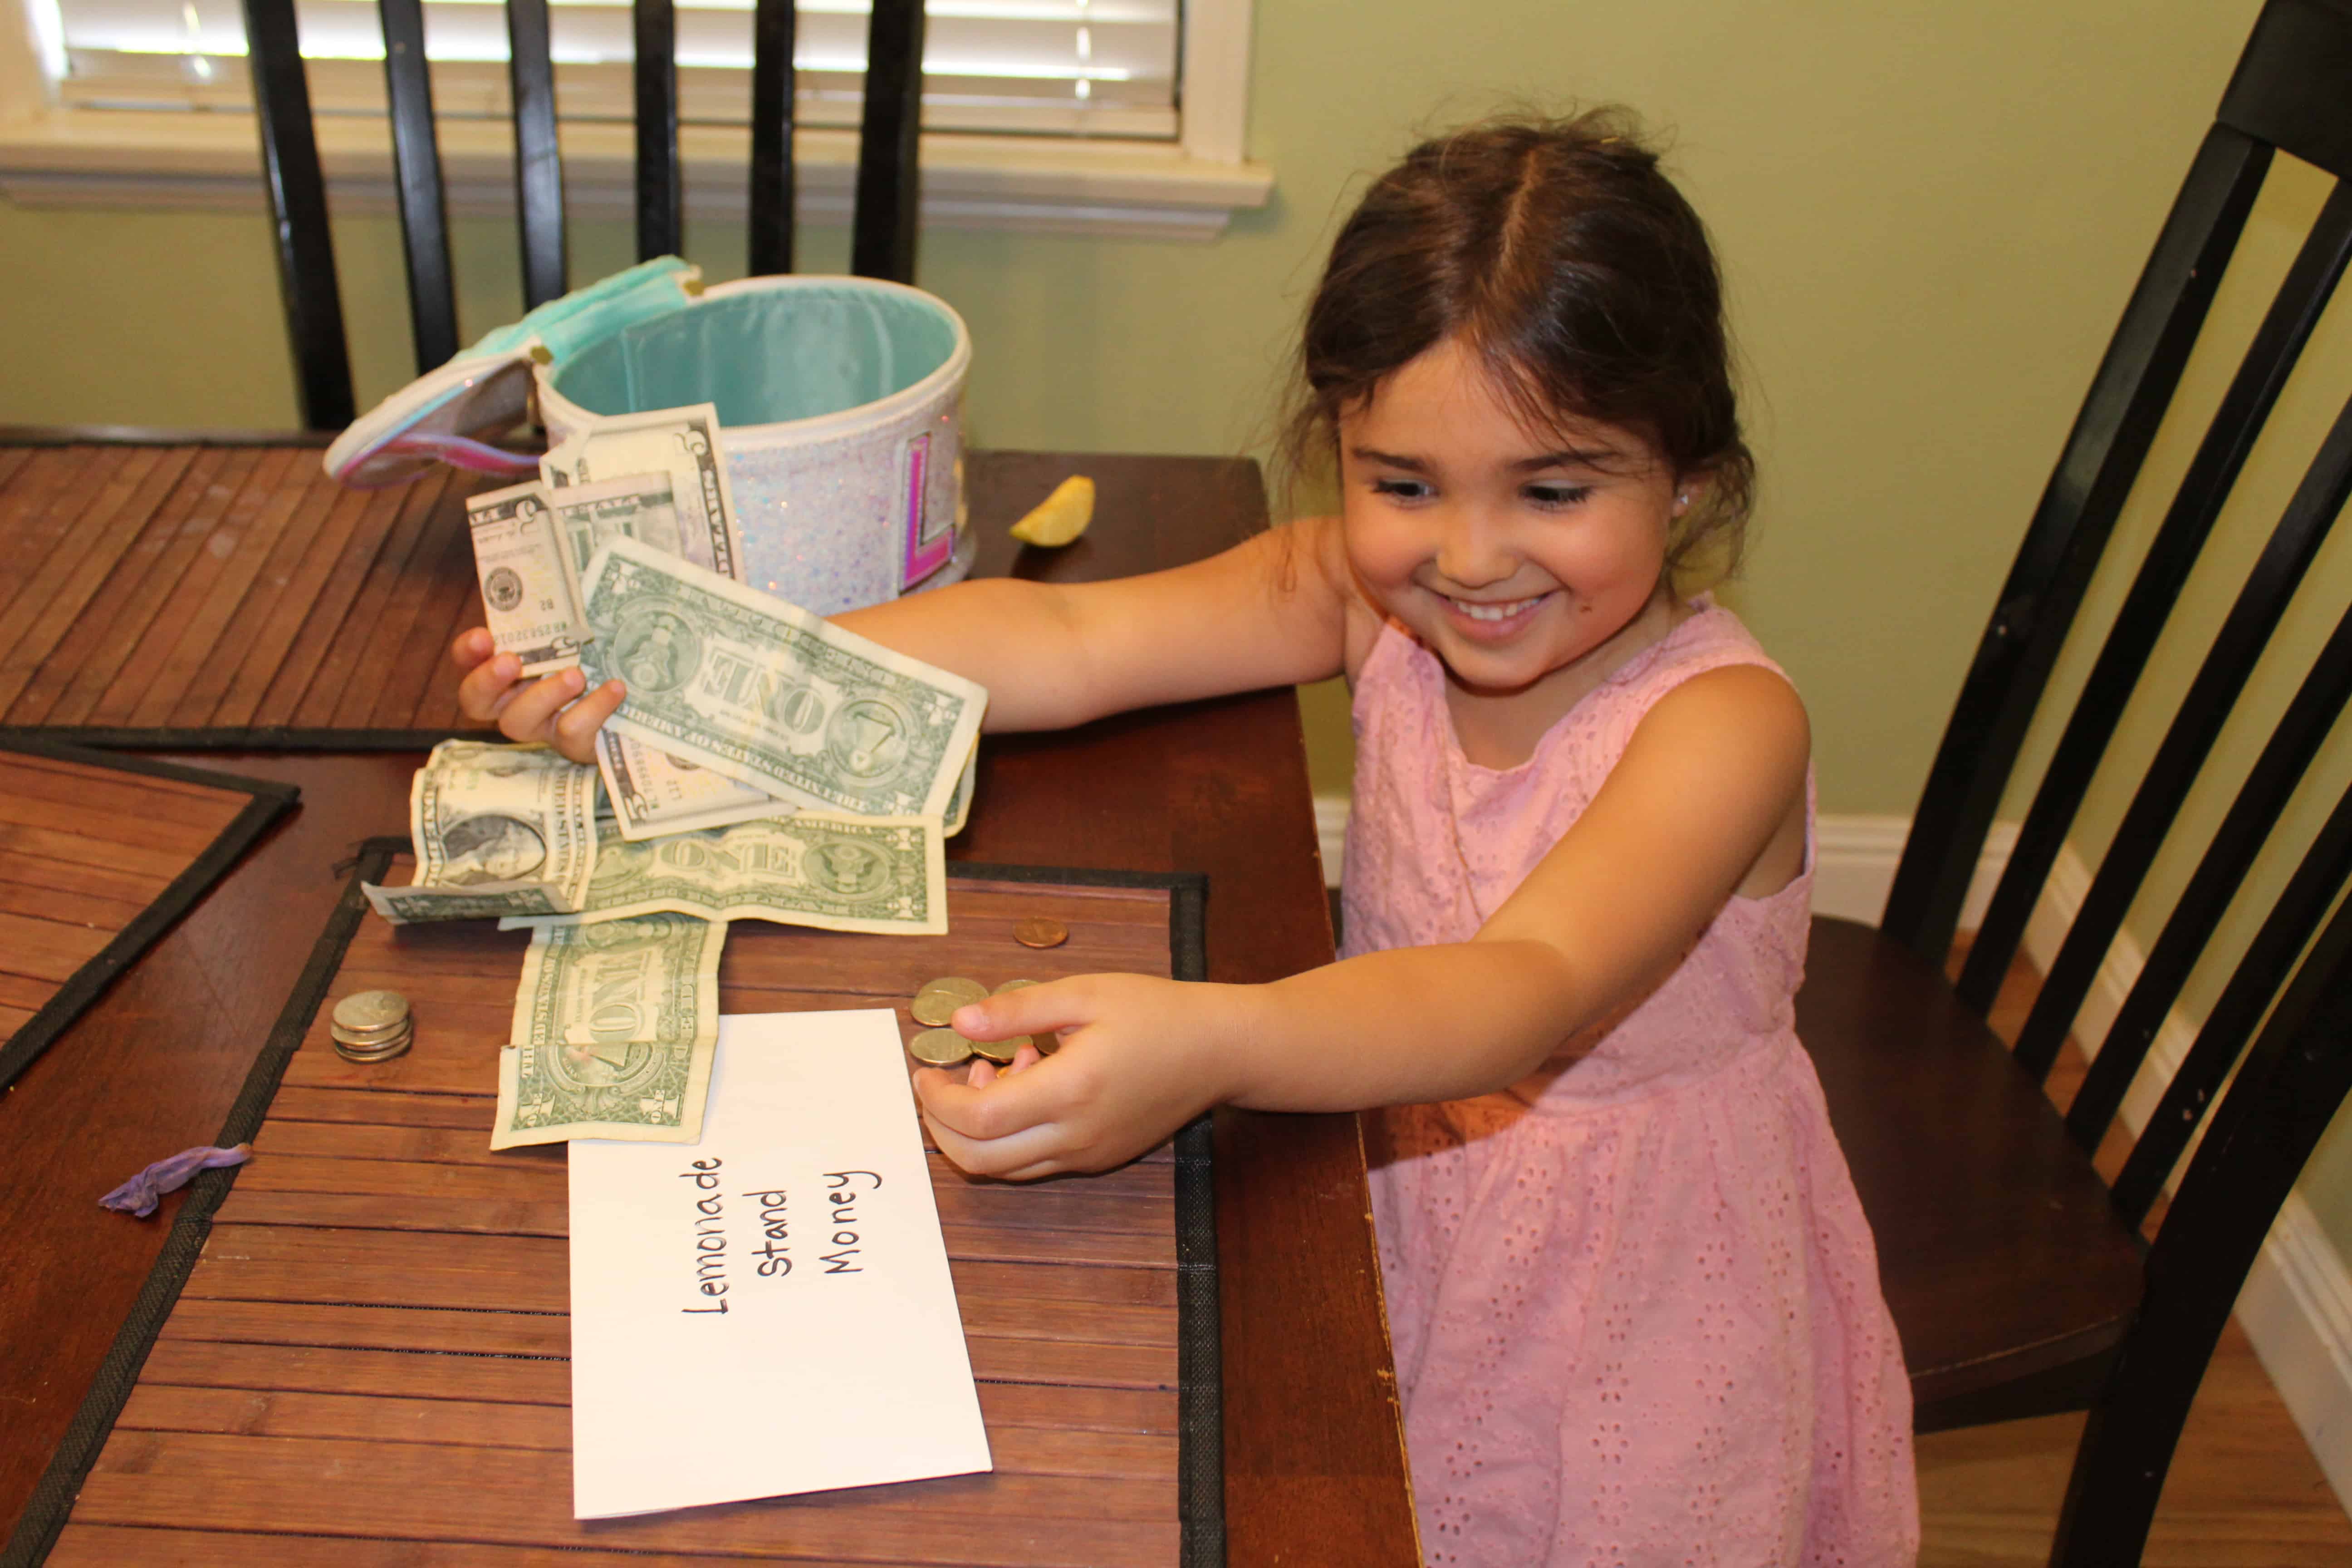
[1060,517]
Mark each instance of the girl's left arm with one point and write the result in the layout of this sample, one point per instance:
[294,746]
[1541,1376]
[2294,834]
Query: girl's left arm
[1709,799]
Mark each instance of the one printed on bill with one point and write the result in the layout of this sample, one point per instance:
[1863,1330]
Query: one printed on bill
[615,1026]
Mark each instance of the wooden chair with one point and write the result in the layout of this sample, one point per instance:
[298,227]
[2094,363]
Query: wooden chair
[883,224]
[2018,1278]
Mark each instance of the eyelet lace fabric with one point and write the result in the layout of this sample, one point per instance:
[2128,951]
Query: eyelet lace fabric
[1634,1299]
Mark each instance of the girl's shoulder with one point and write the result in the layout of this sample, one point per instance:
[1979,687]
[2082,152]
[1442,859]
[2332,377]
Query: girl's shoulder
[1710,637]
[1710,673]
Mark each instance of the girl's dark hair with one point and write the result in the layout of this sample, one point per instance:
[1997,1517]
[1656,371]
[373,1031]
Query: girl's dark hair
[1558,253]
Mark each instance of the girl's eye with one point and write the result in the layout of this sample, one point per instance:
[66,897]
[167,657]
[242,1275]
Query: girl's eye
[1405,489]
[1557,495]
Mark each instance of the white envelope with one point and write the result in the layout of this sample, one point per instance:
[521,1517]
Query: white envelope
[768,1311]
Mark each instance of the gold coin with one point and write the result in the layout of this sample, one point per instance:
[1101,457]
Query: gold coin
[1038,931]
[939,1048]
[1014,986]
[936,1003]
[933,1007]
[1001,1052]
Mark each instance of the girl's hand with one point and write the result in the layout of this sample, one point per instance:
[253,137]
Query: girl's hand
[1140,1058]
[549,709]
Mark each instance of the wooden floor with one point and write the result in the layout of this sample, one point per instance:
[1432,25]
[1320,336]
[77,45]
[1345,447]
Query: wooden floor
[2243,1489]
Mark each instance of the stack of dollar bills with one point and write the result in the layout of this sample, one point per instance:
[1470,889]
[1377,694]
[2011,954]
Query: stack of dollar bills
[765,765]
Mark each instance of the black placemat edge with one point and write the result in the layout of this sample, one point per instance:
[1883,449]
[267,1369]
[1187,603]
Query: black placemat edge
[1200,1355]
[264,738]
[270,800]
[53,1499]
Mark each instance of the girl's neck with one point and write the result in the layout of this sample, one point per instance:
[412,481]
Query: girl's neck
[1500,729]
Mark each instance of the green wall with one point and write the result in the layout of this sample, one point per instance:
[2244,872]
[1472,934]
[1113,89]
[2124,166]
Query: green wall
[1930,217]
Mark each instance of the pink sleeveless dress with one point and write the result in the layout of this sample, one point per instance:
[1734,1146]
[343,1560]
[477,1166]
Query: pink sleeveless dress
[1634,1299]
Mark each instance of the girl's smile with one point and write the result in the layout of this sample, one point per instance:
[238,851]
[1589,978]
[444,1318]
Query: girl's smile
[1531,562]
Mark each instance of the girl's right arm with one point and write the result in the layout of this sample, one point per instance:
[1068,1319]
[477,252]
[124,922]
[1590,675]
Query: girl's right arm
[1269,611]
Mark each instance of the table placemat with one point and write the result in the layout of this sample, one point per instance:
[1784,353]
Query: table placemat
[228,595]
[99,855]
[354,1348]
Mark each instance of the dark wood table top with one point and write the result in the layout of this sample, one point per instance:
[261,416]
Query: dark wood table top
[1314,1461]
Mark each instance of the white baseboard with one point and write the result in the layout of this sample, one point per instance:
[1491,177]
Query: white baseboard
[2297,1306]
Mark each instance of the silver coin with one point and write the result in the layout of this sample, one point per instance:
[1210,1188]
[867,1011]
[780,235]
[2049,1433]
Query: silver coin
[370,1012]
[398,1046]
[369,1037]
[939,1048]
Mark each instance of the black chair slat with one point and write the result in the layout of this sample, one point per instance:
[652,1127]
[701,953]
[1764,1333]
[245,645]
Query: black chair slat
[539,161]
[2244,635]
[773,25]
[298,204]
[2312,888]
[2069,529]
[416,169]
[661,211]
[2272,782]
[2294,1078]
[2289,87]
[882,241]
[2296,311]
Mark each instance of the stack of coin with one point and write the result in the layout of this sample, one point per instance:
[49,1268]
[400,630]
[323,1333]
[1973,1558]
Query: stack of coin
[371,1027]
[941,1047]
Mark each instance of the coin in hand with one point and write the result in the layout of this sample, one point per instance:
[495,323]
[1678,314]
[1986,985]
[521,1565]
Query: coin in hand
[1050,1042]
[939,1048]
[939,999]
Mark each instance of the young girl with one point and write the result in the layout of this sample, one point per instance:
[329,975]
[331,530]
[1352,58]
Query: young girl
[1633,1301]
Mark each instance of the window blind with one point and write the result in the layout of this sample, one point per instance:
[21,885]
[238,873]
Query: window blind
[1096,68]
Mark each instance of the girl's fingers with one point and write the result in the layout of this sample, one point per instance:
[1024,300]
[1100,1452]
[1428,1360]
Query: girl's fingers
[1024,1058]
[489,685]
[987,1104]
[1023,1155]
[471,646]
[1031,1010]
[530,715]
[576,726]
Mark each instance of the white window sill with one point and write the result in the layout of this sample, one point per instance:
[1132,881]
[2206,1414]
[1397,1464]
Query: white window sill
[91,157]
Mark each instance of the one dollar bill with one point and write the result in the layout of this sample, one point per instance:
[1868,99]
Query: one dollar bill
[837,873]
[614,1028]
[770,695]
[498,830]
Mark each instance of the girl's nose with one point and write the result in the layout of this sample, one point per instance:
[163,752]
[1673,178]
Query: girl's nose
[1471,549]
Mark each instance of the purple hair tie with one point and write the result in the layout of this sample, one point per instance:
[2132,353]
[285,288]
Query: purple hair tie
[142,1192]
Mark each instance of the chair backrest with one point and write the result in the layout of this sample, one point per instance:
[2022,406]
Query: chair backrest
[883,221]
[2287,93]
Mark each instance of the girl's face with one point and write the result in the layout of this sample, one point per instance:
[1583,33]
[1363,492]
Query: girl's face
[1514,554]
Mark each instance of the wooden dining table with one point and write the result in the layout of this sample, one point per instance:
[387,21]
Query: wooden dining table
[1314,1468]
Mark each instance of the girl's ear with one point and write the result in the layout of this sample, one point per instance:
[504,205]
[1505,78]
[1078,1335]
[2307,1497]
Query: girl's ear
[1690,490]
